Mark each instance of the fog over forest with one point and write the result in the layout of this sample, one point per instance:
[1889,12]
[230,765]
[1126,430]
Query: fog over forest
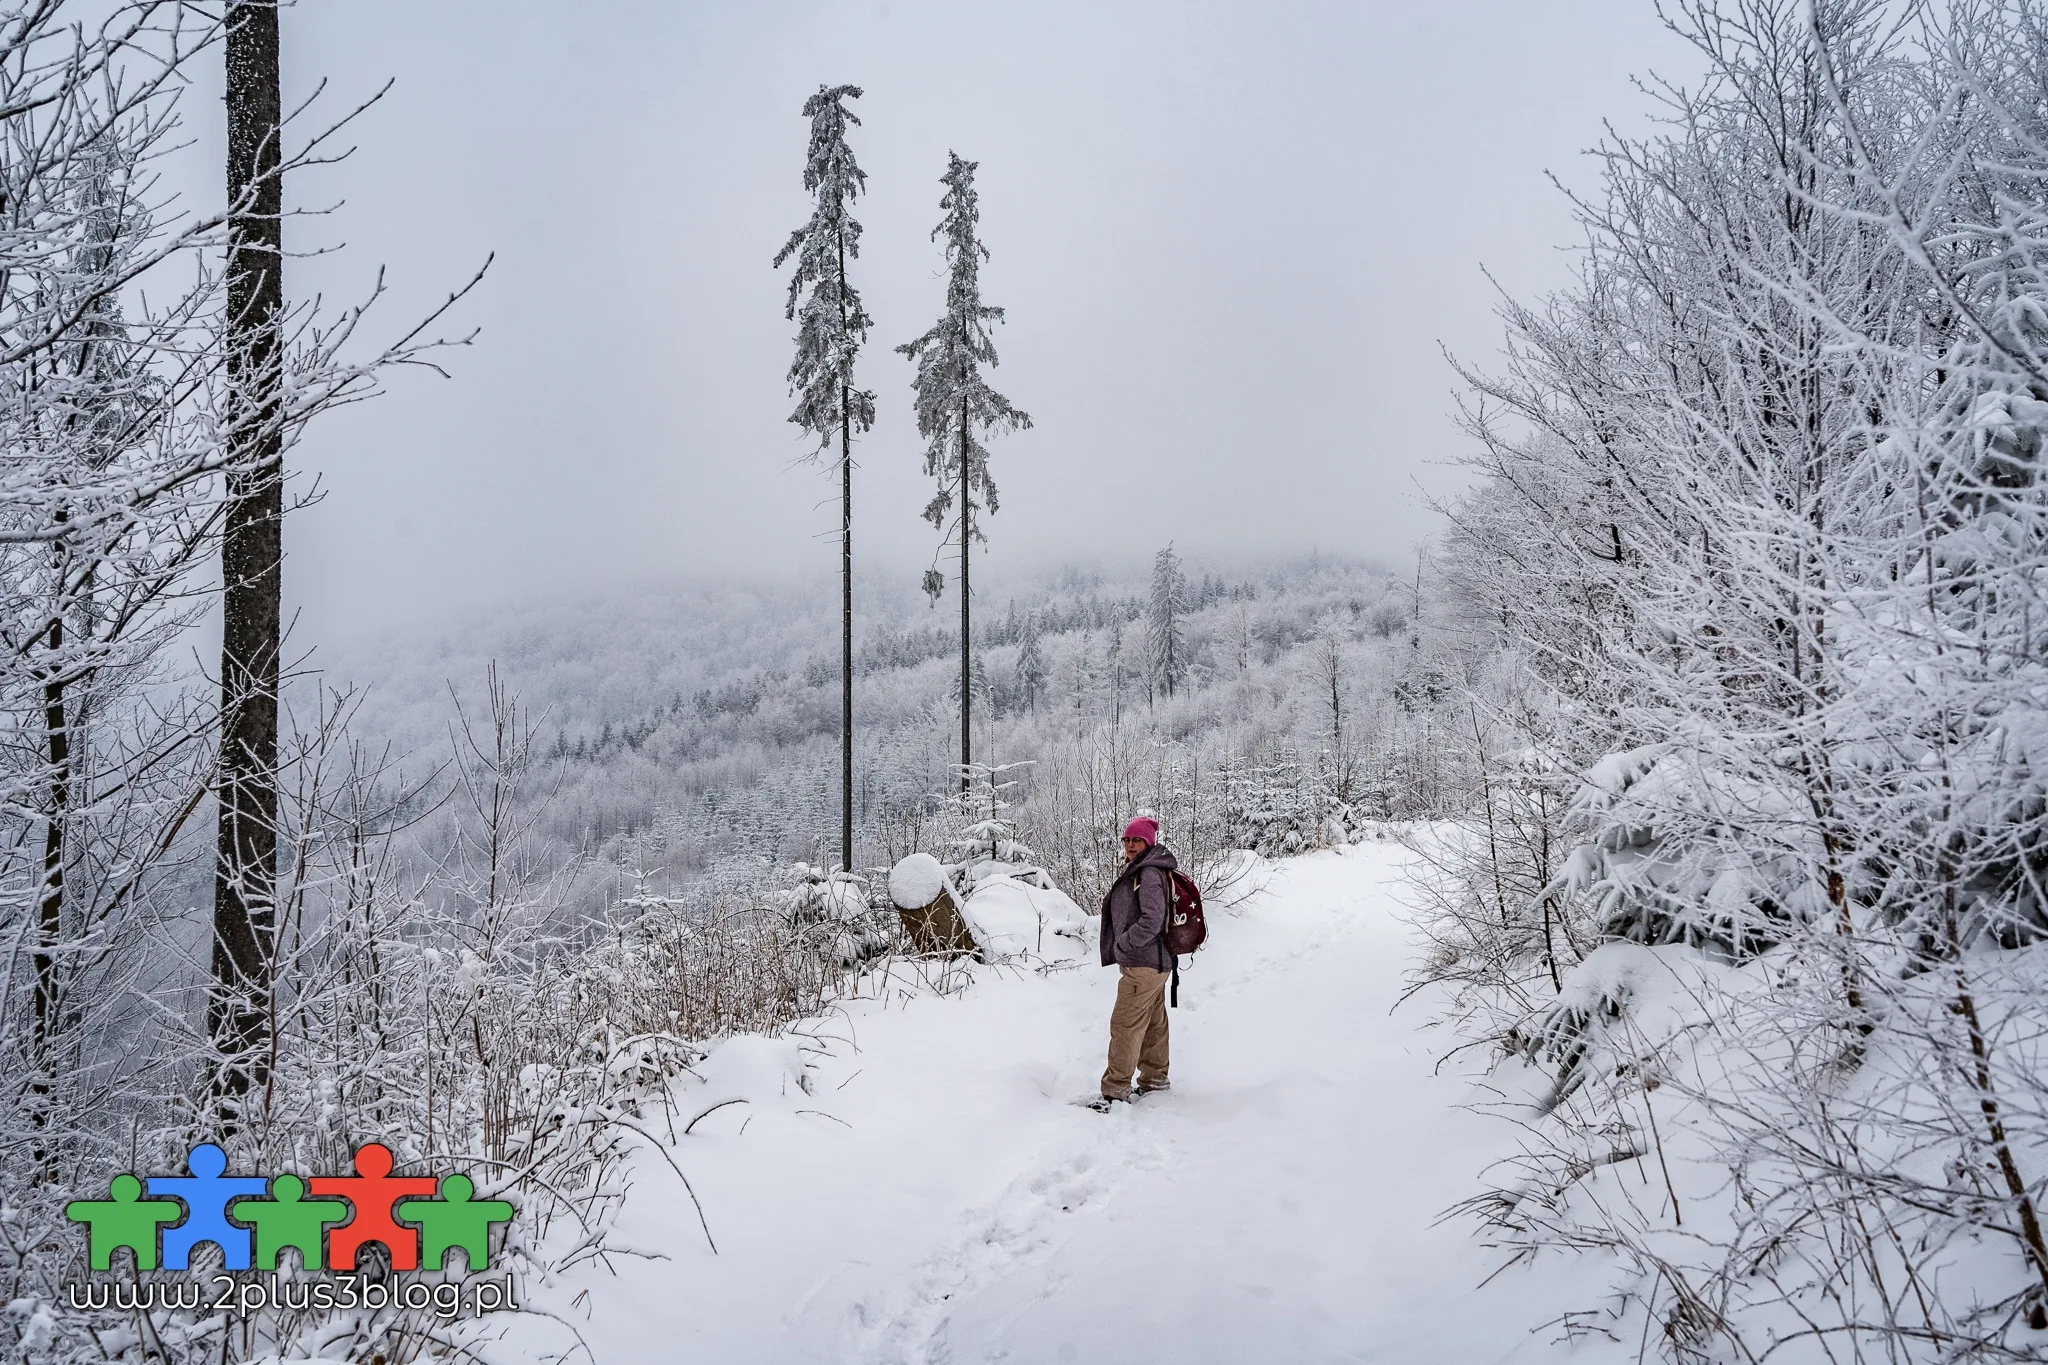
[1220,310]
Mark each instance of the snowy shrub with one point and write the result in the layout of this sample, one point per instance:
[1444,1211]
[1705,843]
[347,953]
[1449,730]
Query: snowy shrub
[1497,932]
[1617,1008]
[836,911]
[1281,806]
[1670,852]
[1763,525]
[985,846]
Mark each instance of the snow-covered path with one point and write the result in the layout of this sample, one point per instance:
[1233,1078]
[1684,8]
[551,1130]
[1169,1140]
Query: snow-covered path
[934,1196]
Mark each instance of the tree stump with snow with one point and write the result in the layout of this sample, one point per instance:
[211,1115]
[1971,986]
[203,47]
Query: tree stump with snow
[932,921]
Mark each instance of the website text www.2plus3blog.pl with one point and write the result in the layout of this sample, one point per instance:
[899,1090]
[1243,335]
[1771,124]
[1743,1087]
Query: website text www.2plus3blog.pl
[252,1220]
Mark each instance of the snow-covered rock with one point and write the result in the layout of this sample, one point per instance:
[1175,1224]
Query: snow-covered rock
[1009,916]
[845,899]
[756,1067]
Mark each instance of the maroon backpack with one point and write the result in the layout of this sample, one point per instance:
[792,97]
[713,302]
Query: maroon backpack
[1186,930]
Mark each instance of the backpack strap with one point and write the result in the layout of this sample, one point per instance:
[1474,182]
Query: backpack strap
[1165,928]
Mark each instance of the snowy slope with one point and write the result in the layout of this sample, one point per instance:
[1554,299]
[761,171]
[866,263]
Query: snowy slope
[907,1181]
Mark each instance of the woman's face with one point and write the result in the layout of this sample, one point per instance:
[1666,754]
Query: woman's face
[1133,848]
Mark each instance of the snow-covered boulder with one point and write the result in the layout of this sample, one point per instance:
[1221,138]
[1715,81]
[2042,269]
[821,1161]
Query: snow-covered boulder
[973,874]
[755,1067]
[1010,916]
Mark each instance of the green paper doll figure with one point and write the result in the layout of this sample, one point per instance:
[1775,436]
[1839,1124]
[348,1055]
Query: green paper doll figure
[124,1219]
[455,1220]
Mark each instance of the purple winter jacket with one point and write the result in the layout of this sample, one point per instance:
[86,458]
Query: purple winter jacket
[1134,913]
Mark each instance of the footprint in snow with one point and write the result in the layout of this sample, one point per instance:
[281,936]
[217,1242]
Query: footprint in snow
[1024,1224]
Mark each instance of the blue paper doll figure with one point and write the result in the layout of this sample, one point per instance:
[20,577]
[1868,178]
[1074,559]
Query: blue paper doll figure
[206,1197]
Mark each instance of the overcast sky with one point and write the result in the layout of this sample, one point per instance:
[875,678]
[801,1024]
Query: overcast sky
[1231,238]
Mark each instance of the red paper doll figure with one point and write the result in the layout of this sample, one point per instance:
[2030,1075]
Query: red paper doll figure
[371,1192]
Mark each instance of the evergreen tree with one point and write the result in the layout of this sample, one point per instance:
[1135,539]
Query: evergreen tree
[980,687]
[1113,666]
[1081,685]
[1166,632]
[1031,671]
[831,328]
[954,400]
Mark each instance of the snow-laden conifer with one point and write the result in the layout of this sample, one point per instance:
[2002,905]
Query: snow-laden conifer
[1031,669]
[955,402]
[1114,667]
[831,328]
[1165,624]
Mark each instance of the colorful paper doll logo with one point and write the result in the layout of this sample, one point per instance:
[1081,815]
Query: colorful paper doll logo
[251,1218]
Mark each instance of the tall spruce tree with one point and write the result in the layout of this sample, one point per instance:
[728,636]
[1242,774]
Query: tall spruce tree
[1031,669]
[953,401]
[1166,632]
[831,328]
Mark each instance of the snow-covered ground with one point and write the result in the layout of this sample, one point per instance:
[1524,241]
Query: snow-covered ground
[908,1180]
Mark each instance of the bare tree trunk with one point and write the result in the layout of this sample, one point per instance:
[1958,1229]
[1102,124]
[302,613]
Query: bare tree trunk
[845,588]
[245,886]
[2032,1239]
[1336,709]
[966,646]
[50,898]
[845,636]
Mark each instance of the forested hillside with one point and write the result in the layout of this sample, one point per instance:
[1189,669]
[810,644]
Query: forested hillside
[685,725]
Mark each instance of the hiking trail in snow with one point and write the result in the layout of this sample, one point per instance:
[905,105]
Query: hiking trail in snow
[909,1181]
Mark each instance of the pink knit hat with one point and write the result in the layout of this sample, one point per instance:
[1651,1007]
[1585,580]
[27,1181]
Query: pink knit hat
[1144,827]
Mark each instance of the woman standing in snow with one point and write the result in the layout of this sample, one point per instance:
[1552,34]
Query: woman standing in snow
[1134,941]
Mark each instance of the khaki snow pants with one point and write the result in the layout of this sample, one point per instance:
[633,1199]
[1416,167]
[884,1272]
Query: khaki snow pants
[1137,1032]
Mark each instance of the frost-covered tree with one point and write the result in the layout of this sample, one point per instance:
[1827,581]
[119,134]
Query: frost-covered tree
[110,493]
[987,839]
[1241,642]
[276,369]
[1031,667]
[981,690]
[1764,542]
[133,421]
[956,407]
[1080,680]
[1329,668]
[832,325]
[1115,669]
[1166,624]
[830,330]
